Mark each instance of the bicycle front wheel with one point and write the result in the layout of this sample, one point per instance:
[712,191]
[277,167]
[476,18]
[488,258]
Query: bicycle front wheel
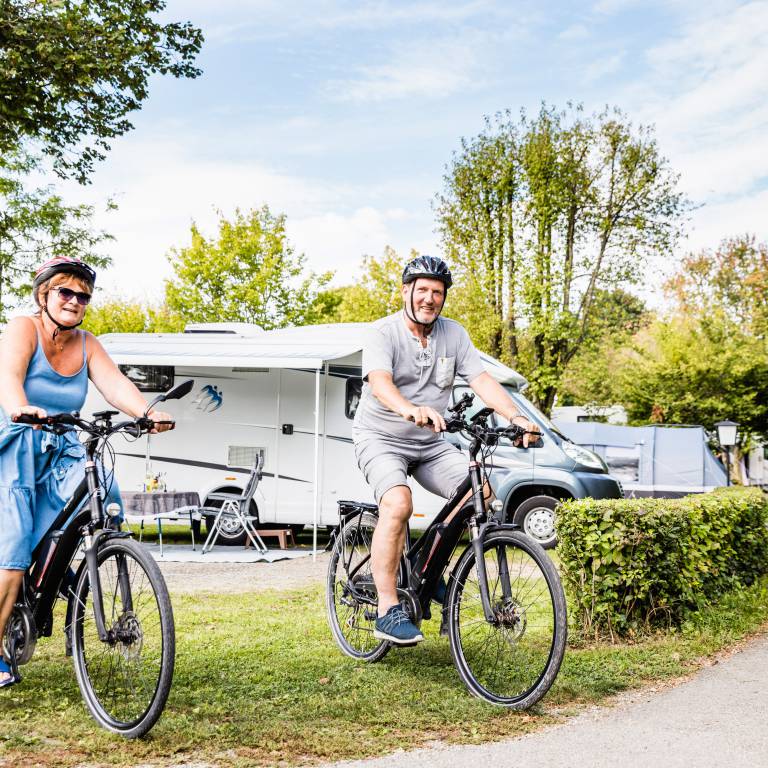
[513,659]
[125,681]
[350,593]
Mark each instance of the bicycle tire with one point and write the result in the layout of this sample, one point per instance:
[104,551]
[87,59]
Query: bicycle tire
[513,661]
[125,685]
[350,619]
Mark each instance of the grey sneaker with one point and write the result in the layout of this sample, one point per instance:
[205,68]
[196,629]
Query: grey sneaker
[396,627]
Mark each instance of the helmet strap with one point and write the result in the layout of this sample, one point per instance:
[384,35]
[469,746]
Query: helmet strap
[426,327]
[59,326]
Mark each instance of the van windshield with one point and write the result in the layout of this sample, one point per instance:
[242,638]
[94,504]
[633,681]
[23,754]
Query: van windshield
[533,411]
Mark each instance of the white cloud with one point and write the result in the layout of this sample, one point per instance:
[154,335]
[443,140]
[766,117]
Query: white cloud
[425,69]
[574,32]
[705,91]
[600,68]
[333,224]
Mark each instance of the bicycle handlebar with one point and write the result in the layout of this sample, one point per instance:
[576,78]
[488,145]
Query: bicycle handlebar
[62,422]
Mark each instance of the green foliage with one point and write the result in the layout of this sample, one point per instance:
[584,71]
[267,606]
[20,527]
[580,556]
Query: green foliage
[73,71]
[635,564]
[35,225]
[733,279]
[693,371]
[375,294]
[539,217]
[249,273]
[119,316]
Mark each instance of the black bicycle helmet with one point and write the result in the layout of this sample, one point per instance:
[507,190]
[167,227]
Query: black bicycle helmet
[62,265]
[428,266]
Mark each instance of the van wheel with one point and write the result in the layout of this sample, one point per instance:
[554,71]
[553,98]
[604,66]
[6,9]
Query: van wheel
[536,516]
[231,532]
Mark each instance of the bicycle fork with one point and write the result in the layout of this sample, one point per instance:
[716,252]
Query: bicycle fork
[92,543]
[477,537]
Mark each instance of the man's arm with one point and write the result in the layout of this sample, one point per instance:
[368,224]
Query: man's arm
[384,390]
[495,396]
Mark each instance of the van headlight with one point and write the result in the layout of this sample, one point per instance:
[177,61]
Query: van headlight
[582,456]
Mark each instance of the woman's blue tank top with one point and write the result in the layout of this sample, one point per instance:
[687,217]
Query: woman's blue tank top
[48,389]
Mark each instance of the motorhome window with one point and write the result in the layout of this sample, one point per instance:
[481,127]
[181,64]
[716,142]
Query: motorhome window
[244,455]
[600,418]
[353,393]
[150,378]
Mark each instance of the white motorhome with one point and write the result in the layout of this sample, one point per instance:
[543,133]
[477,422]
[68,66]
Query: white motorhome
[287,394]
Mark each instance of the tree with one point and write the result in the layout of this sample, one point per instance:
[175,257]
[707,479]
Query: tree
[249,273]
[36,225]
[116,315]
[538,216]
[375,294]
[591,375]
[71,72]
[733,278]
[687,371]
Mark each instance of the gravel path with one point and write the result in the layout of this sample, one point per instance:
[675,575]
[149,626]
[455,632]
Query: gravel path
[716,719]
[187,578]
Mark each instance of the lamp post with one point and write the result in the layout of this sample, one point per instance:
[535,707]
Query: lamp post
[727,432]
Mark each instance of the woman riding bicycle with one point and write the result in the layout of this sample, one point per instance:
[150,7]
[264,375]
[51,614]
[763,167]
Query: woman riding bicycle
[45,364]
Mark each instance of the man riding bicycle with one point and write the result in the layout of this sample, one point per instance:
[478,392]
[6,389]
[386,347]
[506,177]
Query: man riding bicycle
[410,360]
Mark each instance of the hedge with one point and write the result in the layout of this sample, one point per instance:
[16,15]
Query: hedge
[637,564]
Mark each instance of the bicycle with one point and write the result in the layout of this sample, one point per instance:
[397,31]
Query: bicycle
[119,622]
[504,610]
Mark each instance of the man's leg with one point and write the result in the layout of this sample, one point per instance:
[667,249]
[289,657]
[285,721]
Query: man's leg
[395,508]
[10,581]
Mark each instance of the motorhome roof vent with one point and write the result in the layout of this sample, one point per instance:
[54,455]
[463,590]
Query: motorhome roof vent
[236,329]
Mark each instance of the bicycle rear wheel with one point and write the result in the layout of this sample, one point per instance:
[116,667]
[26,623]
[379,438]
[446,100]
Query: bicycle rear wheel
[350,592]
[125,682]
[513,660]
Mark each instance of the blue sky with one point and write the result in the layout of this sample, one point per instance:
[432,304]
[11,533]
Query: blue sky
[343,115]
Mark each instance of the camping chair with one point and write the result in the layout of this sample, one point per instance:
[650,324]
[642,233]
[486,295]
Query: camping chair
[237,505]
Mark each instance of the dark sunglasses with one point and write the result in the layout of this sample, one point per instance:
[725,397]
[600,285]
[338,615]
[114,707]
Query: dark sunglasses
[67,294]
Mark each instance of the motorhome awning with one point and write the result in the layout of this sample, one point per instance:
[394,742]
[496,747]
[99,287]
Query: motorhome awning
[214,351]
[307,346]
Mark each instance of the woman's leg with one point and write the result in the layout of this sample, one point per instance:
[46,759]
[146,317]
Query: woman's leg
[10,581]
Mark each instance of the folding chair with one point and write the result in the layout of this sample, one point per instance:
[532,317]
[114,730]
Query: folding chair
[236,505]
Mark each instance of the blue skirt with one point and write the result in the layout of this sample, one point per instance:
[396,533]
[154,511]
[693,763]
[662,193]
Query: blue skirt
[39,472]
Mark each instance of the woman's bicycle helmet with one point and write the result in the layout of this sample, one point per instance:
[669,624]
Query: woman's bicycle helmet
[57,266]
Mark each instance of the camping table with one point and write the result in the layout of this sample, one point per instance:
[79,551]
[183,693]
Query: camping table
[150,504]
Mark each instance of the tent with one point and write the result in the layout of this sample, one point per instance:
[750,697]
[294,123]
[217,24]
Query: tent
[653,460]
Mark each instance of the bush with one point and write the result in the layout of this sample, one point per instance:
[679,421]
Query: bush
[634,564]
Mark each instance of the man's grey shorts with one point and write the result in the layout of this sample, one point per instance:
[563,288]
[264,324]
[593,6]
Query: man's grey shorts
[436,465]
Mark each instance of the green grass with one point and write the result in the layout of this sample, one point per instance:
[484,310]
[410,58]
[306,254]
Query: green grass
[259,681]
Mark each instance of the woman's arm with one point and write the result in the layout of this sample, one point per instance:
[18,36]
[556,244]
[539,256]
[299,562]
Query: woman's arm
[118,390]
[17,345]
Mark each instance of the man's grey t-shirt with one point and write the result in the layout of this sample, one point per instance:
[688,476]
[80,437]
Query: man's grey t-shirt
[424,375]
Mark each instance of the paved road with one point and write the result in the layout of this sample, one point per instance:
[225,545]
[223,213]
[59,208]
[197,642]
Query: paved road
[718,718]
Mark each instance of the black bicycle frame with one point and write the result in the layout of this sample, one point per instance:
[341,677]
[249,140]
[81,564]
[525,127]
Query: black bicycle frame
[432,551]
[51,559]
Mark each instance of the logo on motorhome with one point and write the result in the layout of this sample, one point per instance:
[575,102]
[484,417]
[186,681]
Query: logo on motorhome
[208,399]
